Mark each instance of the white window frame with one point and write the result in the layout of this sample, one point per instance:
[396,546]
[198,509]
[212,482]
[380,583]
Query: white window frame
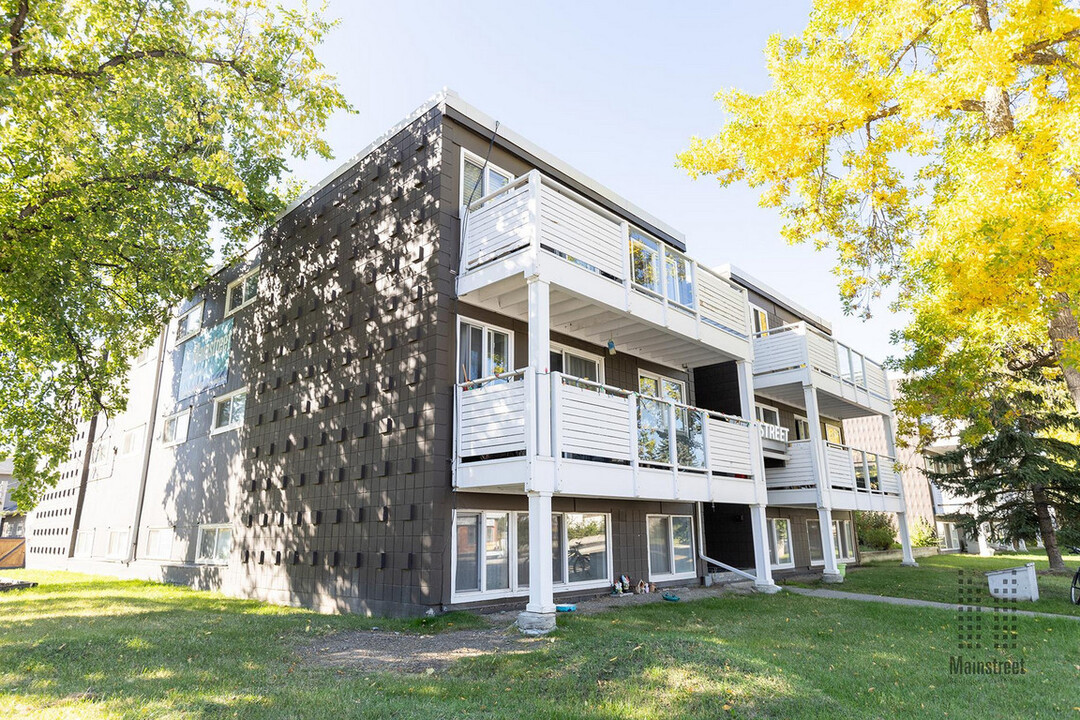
[758,415]
[805,421]
[197,311]
[122,547]
[945,530]
[564,349]
[84,548]
[239,282]
[145,355]
[837,529]
[227,397]
[809,533]
[183,422]
[774,544]
[132,440]
[487,327]
[759,316]
[516,589]
[485,182]
[215,527]
[151,553]
[660,384]
[661,577]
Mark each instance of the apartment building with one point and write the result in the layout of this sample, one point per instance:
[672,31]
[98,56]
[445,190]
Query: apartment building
[459,373]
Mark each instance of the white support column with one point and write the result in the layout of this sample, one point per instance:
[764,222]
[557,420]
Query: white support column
[905,540]
[901,517]
[984,541]
[831,573]
[540,359]
[539,615]
[760,526]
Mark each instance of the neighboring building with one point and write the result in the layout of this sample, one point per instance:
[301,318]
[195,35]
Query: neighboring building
[459,373]
[12,520]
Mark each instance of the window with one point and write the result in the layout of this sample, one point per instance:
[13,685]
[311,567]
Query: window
[843,540]
[174,428]
[242,292]
[653,385]
[483,351]
[780,543]
[645,261]
[118,544]
[189,324]
[84,543]
[760,319]
[813,538]
[834,434]
[948,537]
[802,428]
[159,543]
[766,414]
[145,355]
[680,278]
[478,181]
[132,440]
[577,364]
[671,546]
[215,544]
[229,411]
[491,551]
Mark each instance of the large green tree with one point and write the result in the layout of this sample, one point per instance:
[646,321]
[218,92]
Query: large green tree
[935,146]
[128,129]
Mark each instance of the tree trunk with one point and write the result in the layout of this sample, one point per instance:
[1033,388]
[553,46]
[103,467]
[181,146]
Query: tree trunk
[1046,529]
[1063,329]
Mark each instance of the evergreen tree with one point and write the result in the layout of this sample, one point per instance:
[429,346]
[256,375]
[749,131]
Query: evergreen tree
[1020,461]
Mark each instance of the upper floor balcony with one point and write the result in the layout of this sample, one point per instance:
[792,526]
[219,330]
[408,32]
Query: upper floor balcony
[790,356]
[609,280]
[604,441]
[855,479]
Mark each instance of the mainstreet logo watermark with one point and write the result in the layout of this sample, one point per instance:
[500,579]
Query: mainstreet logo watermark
[986,629]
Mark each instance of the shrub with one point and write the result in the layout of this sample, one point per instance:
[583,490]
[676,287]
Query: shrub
[875,530]
[924,534]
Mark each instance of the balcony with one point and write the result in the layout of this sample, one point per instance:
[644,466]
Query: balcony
[604,441]
[789,356]
[609,280]
[856,479]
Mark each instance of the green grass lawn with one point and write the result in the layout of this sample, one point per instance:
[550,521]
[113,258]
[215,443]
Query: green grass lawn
[85,647]
[936,579]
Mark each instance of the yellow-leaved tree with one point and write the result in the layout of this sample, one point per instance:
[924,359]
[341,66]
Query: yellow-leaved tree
[935,146]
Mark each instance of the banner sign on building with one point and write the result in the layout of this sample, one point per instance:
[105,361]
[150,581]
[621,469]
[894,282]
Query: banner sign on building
[206,360]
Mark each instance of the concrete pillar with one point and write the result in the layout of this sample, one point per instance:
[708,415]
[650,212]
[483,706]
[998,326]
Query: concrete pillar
[905,540]
[759,525]
[828,547]
[539,615]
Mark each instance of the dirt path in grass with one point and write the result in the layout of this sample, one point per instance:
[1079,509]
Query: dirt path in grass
[383,651]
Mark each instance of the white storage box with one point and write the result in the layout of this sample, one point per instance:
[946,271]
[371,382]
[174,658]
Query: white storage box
[1018,583]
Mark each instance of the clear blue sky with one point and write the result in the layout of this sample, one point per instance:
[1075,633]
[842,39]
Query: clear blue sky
[614,89]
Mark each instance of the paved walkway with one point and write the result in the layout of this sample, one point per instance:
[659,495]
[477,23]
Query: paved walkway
[911,602]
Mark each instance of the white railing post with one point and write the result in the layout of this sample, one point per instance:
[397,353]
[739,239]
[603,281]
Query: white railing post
[463,261]
[673,450]
[556,418]
[706,423]
[534,216]
[663,279]
[456,449]
[631,403]
[628,262]
[528,377]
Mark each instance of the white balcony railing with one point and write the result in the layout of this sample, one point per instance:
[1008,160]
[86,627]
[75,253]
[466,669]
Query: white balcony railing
[535,213]
[847,469]
[799,345]
[597,423]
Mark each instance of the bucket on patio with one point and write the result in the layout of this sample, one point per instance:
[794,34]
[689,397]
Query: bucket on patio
[1018,583]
